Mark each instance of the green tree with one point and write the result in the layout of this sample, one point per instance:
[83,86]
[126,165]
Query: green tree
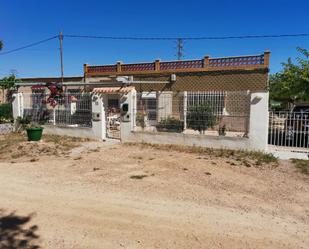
[1,44]
[291,84]
[7,83]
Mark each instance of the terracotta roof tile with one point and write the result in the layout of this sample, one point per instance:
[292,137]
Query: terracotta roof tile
[125,89]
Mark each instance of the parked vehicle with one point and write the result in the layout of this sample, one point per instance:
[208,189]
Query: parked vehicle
[297,126]
[290,128]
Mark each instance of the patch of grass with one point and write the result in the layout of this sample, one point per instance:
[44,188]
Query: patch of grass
[16,155]
[65,141]
[138,177]
[94,150]
[246,163]
[239,155]
[10,139]
[301,165]
[137,157]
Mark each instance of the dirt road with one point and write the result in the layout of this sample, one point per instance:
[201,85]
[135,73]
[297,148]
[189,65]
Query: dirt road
[121,196]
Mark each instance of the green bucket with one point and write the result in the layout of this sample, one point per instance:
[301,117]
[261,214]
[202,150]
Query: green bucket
[34,134]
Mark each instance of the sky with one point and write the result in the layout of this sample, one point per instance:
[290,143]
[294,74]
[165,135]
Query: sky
[24,22]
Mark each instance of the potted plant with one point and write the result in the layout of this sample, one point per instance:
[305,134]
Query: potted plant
[34,131]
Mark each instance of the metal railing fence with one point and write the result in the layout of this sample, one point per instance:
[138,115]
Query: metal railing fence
[289,129]
[67,109]
[215,112]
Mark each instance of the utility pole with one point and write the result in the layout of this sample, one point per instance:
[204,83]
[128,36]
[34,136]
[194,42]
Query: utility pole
[61,59]
[179,48]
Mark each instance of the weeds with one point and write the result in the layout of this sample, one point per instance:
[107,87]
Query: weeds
[137,157]
[15,146]
[65,141]
[301,165]
[9,140]
[239,155]
[138,177]
[94,150]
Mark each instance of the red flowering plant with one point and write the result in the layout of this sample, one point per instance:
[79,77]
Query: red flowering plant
[55,96]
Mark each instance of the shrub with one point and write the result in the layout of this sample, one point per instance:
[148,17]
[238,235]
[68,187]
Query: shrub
[140,119]
[301,165]
[200,117]
[170,124]
[6,113]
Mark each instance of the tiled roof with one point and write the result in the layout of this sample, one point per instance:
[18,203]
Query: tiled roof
[53,79]
[113,89]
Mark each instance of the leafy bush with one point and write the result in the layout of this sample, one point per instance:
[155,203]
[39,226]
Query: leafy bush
[24,121]
[170,124]
[140,119]
[200,118]
[6,113]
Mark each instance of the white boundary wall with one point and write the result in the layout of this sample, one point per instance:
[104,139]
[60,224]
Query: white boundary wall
[258,131]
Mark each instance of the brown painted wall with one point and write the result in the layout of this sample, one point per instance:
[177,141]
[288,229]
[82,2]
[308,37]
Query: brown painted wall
[242,80]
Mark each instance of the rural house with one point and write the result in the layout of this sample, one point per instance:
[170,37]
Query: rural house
[210,96]
[169,89]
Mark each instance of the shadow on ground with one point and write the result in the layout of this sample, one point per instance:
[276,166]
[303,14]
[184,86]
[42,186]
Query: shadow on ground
[15,232]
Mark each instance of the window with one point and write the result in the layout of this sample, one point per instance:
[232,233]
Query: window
[113,103]
[215,100]
[147,102]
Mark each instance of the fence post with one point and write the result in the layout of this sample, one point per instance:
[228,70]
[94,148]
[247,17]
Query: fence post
[259,119]
[128,119]
[54,115]
[185,98]
[98,117]
[18,105]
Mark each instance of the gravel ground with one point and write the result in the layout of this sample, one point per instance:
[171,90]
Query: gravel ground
[110,195]
[6,128]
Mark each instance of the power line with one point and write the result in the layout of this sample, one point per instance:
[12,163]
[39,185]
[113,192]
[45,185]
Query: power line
[29,45]
[186,38]
[157,38]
